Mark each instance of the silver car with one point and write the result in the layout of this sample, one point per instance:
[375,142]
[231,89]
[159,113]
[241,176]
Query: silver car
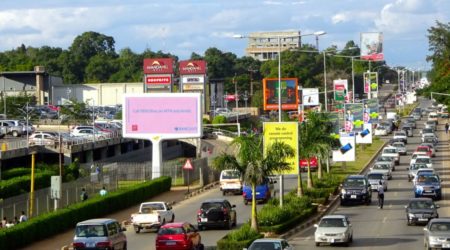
[413,170]
[270,243]
[374,180]
[333,229]
[382,168]
[99,234]
[437,234]
[401,148]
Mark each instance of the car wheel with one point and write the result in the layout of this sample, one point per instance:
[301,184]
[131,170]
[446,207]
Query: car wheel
[163,222]
[124,246]
[408,221]
[246,202]
[224,193]
[351,238]
[173,218]
[317,244]
[137,229]
[229,224]
[368,201]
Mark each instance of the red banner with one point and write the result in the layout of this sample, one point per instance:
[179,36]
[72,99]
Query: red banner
[149,79]
[195,67]
[312,163]
[158,66]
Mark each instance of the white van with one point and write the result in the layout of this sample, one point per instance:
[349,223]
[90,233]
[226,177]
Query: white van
[230,182]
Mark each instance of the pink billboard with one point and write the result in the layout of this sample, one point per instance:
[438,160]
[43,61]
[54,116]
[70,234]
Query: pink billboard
[162,115]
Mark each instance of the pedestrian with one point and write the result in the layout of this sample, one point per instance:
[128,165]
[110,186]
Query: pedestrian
[9,224]
[446,127]
[103,191]
[23,217]
[380,190]
[384,110]
[16,221]
[83,195]
[4,221]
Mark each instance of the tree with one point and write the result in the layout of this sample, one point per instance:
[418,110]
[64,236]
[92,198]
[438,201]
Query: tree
[74,111]
[253,164]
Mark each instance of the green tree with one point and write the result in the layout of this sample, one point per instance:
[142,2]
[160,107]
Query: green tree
[74,112]
[255,166]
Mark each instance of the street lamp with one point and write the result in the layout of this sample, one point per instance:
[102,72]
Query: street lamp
[317,34]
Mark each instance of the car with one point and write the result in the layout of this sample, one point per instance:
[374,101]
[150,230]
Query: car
[410,120]
[408,130]
[428,185]
[216,213]
[433,117]
[333,229]
[381,130]
[230,182]
[270,243]
[388,125]
[390,151]
[430,124]
[420,210]
[152,215]
[426,150]
[386,159]
[103,233]
[356,188]
[401,135]
[432,147]
[423,171]
[436,234]
[412,170]
[417,115]
[42,138]
[430,139]
[427,131]
[414,157]
[382,168]
[178,236]
[374,180]
[400,146]
[263,191]
[424,160]
[88,133]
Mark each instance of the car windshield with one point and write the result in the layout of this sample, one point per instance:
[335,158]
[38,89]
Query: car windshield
[170,231]
[398,145]
[418,166]
[211,205]
[384,158]
[265,246]
[375,176]
[423,160]
[399,134]
[421,204]
[427,131]
[231,175]
[381,166]
[390,150]
[148,208]
[332,222]
[355,183]
[427,178]
[440,226]
[90,231]
[422,149]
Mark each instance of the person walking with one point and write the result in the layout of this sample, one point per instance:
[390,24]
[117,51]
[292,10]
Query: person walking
[446,127]
[4,222]
[23,217]
[83,195]
[380,190]
[103,191]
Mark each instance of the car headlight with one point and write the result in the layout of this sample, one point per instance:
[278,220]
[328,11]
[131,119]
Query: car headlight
[341,234]
[410,215]
[433,239]
[364,191]
[343,191]
[319,234]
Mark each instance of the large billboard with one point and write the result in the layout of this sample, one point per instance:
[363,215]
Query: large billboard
[372,46]
[289,93]
[162,115]
[340,90]
[286,132]
[364,136]
[371,110]
[346,150]
[158,66]
[194,67]
[354,117]
[310,97]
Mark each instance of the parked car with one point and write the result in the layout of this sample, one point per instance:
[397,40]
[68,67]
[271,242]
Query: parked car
[263,191]
[230,182]
[88,133]
[216,213]
[436,234]
[42,138]
[178,236]
[374,180]
[152,215]
[356,188]
[400,146]
[412,170]
[270,243]
[333,229]
[420,210]
[99,234]
[428,185]
[11,129]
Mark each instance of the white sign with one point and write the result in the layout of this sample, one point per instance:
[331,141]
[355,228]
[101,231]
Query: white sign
[190,79]
[55,189]
[365,136]
[310,97]
[188,165]
[346,151]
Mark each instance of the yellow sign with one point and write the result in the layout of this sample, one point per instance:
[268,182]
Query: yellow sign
[286,132]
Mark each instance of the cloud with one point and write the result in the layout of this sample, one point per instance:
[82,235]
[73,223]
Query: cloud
[272,3]
[339,18]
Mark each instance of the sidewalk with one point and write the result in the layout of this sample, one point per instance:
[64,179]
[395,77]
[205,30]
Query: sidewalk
[174,196]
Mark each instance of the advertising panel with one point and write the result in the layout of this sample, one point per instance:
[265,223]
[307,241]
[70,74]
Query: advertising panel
[312,163]
[193,67]
[158,79]
[158,66]
[333,118]
[373,77]
[372,46]
[346,151]
[162,116]
[371,110]
[310,97]
[366,84]
[340,90]
[354,113]
[289,93]
[364,136]
[193,82]
[286,132]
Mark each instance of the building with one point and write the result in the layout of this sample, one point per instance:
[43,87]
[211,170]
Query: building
[263,46]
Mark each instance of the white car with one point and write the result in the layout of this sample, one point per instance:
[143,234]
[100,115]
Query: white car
[88,133]
[424,160]
[270,243]
[401,148]
[382,168]
[402,136]
[381,130]
[392,152]
[430,124]
[333,229]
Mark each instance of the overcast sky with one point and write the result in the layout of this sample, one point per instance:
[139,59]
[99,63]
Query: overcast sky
[182,27]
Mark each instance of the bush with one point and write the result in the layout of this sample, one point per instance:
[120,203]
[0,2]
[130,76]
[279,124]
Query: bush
[49,224]
[20,185]
[16,172]
[271,215]
[238,239]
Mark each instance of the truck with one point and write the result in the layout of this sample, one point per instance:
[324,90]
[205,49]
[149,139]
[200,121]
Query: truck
[152,215]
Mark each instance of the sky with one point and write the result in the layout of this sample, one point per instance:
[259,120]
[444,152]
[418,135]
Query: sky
[182,27]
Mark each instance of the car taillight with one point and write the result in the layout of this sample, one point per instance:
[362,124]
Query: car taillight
[78,245]
[103,244]
[199,212]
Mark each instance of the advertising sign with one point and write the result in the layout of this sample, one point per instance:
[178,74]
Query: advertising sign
[346,151]
[194,67]
[366,84]
[289,93]
[372,46]
[371,110]
[55,188]
[340,90]
[310,97]
[333,118]
[193,79]
[353,117]
[373,77]
[158,66]
[364,136]
[312,163]
[162,115]
[286,132]
[158,79]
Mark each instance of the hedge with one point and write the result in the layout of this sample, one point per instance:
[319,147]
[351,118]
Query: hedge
[20,185]
[239,239]
[283,227]
[49,224]
[16,172]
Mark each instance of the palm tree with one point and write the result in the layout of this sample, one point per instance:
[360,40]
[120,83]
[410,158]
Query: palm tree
[250,160]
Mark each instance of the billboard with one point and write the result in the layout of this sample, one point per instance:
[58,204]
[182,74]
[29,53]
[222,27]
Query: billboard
[286,132]
[162,116]
[354,114]
[340,90]
[364,136]
[192,82]
[372,46]
[371,110]
[312,163]
[158,79]
[346,151]
[310,97]
[289,93]
[158,66]
[194,67]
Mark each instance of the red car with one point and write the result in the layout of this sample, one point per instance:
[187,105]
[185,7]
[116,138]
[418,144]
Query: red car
[424,150]
[178,236]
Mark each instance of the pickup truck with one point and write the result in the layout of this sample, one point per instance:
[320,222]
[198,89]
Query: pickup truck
[152,215]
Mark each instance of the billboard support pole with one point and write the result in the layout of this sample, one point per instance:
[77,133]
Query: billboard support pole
[156,157]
